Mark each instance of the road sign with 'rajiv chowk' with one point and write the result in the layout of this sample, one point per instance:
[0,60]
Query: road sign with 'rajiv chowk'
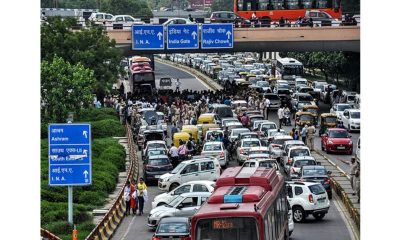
[70,154]
[217,36]
[182,36]
[147,37]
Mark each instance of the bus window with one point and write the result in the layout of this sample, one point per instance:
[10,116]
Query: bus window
[262,4]
[240,5]
[322,3]
[277,4]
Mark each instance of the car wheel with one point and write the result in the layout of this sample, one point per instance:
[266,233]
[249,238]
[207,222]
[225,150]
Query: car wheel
[319,216]
[298,214]
[329,195]
[173,186]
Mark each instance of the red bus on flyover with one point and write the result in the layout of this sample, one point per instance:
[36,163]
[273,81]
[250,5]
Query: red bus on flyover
[247,204]
[272,10]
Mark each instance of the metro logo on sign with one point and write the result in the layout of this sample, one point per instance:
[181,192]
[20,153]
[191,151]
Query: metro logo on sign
[182,36]
[147,37]
[217,36]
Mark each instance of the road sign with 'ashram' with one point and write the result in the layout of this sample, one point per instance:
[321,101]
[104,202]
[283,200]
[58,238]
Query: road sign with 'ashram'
[70,154]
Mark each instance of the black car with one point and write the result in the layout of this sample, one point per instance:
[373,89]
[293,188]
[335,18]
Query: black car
[317,174]
[155,166]
[173,228]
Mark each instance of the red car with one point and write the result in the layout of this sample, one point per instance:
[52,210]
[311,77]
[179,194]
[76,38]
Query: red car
[337,140]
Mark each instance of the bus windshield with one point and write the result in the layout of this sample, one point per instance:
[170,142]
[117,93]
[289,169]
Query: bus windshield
[238,228]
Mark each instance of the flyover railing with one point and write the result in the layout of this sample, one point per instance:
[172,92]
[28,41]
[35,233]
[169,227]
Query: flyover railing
[111,220]
[46,234]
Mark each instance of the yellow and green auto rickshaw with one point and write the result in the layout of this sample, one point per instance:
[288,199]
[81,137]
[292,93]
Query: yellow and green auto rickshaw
[243,74]
[184,136]
[314,110]
[303,118]
[215,70]
[328,120]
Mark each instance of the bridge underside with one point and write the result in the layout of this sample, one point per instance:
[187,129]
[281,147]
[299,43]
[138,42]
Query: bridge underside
[254,46]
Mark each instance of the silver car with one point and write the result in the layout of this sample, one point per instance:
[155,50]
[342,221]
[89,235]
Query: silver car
[184,205]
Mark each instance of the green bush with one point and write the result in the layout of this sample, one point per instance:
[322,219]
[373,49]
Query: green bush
[96,114]
[107,128]
[94,198]
[59,227]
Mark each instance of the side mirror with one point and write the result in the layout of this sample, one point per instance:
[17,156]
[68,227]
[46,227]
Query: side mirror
[319,163]
[328,173]
[180,206]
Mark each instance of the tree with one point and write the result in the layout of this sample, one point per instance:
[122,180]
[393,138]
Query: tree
[64,88]
[136,8]
[222,5]
[91,47]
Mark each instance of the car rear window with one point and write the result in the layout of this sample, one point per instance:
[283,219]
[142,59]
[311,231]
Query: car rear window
[173,228]
[159,162]
[301,163]
[299,152]
[317,189]
[272,97]
[251,144]
[311,172]
[212,147]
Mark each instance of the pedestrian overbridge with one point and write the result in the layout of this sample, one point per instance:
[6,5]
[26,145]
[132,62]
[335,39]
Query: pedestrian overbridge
[302,39]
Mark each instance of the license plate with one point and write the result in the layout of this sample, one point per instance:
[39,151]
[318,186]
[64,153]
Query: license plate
[321,200]
[341,148]
[157,176]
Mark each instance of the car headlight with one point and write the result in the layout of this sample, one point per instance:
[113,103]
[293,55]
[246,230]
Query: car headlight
[330,142]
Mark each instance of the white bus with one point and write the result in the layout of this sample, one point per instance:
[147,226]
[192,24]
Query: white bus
[289,68]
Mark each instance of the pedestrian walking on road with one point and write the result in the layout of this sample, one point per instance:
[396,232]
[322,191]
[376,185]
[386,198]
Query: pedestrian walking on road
[142,195]
[173,152]
[280,116]
[178,85]
[133,199]
[304,134]
[353,169]
[266,108]
[127,198]
[310,137]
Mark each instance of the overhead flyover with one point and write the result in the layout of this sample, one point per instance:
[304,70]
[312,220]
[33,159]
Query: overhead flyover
[302,39]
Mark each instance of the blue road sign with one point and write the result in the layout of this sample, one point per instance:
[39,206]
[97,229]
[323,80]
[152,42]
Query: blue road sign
[182,36]
[147,37]
[217,36]
[70,154]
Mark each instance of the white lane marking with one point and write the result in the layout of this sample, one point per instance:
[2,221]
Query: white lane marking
[186,71]
[129,228]
[350,225]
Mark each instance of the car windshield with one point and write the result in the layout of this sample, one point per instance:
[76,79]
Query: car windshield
[266,127]
[172,227]
[306,118]
[175,201]
[312,110]
[251,144]
[178,168]
[355,115]
[338,134]
[263,84]
[305,98]
[317,189]
[159,162]
[279,141]
[300,163]
[212,147]
[272,97]
[156,145]
[236,133]
[343,107]
[312,172]
[157,152]
[351,98]
[330,119]
[299,153]
[268,164]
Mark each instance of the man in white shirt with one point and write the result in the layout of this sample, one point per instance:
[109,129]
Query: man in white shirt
[280,116]
[178,85]
[173,152]
[266,108]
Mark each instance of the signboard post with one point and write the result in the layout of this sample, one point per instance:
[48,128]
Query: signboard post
[214,36]
[182,36]
[70,157]
[147,37]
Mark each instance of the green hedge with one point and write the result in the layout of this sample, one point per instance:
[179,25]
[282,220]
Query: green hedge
[107,128]
[108,159]
[96,114]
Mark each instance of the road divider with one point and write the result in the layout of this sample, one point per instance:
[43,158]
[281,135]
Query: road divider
[341,185]
[200,76]
[109,223]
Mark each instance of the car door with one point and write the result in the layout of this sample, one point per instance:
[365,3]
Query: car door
[190,173]
[187,207]
[200,188]
[346,118]
[183,189]
[207,170]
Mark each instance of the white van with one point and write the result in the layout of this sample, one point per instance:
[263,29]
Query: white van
[200,168]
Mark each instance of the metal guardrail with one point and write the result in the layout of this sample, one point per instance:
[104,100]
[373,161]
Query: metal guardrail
[110,221]
[46,234]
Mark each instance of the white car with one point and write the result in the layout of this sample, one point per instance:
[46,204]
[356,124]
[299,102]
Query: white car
[264,127]
[339,108]
[274,132]
[184,205]
[275,147]
[178,21]
[295,151]
[100,17]
[224,121]
[217,150]
[126,20]
[257,123]
[235,133]
[154,144]
[307,198]
[287,145]
[258,150]
[298,162]
[204,168]
[192,186]
[244,146]
[351,119]
[264,162]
